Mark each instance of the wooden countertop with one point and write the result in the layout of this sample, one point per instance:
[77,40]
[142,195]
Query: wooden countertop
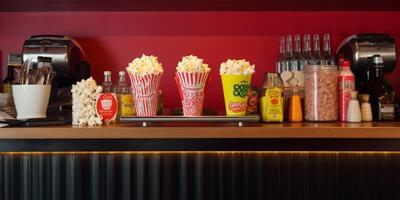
[375,130]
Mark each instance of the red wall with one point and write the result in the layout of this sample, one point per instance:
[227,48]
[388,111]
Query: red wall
[112,39]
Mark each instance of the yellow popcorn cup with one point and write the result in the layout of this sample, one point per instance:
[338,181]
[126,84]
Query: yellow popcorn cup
[236,91]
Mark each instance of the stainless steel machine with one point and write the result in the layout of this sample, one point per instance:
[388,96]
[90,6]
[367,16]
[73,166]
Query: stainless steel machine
[67,59]
[360,49]
[66,54]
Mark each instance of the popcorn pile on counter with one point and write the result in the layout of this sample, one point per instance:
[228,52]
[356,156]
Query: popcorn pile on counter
[192,64]
[145,65]
[236,67]
[84,95]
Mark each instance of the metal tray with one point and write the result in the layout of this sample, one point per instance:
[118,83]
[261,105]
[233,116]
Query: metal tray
[215,119]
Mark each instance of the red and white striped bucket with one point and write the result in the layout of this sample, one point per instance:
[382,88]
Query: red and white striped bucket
[191,87]
[145,91]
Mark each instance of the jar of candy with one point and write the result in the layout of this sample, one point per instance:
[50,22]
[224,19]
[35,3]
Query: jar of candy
[320,93]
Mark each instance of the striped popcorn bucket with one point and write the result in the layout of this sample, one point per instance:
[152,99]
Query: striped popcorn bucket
[145,92]
[191,87]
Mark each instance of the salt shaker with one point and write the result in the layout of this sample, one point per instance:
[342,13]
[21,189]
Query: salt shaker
[354,112]
[366,111]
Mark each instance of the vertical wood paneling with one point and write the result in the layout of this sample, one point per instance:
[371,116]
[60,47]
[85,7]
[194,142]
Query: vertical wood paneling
[26,177]
[183,176]
[140,175]
[55,171]
[110,180]
[127,176]
[94,177]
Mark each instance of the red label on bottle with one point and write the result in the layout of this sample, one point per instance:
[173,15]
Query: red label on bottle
[107,106]
[346,86]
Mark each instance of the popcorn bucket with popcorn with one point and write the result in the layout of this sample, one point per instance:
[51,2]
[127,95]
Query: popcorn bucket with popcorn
[145,92]
[236,91]
[191,88]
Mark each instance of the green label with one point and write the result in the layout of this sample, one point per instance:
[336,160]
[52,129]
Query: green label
[241,89]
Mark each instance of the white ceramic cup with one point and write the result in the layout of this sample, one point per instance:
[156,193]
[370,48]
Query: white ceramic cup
[31,100]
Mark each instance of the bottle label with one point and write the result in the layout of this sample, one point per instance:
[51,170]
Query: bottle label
[274,105]
[126,105]
[346,86]
[107,107]
[386,112]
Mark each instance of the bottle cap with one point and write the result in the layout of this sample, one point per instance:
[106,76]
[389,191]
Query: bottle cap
[363,97]
[354,94]
[107,73]
[377,60]
[346,63]
[121,73]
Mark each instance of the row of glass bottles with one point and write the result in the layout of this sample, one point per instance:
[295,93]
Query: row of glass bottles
[126,106]
[295,60]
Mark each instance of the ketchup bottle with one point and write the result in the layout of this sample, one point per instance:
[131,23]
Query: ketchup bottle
[346,86]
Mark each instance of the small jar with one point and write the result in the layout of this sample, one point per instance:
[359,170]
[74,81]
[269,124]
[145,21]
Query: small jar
[320,93]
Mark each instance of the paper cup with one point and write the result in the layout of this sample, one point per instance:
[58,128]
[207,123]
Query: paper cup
[31,100]
[236,90]
[145,92]
[191,88]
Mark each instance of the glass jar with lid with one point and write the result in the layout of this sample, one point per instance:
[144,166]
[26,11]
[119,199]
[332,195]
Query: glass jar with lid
[320,93]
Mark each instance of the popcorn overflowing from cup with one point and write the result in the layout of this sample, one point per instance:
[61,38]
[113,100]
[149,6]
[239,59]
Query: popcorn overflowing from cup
[236,67]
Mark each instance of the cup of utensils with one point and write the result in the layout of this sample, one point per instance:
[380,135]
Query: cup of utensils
[32,92]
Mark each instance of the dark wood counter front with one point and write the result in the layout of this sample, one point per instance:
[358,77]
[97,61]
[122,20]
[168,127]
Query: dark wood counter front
[188,161]
[383,136]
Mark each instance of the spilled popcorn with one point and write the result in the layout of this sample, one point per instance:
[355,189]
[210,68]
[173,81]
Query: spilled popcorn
[145,65]
[192,64]
[236,67]
[84,95]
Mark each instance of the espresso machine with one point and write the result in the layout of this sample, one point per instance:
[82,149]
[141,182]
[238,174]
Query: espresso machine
[67,60]
[360,49]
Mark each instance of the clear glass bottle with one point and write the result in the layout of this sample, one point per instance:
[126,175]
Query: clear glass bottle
[297,52]
[308,58]
[290,59]
[122,86]
[126,107]
[107,84]
[328,58]
[281,64]
[317,50]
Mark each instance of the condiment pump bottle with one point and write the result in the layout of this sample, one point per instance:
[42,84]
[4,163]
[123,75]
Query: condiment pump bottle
[295,111]
[366,111]
[354,112]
